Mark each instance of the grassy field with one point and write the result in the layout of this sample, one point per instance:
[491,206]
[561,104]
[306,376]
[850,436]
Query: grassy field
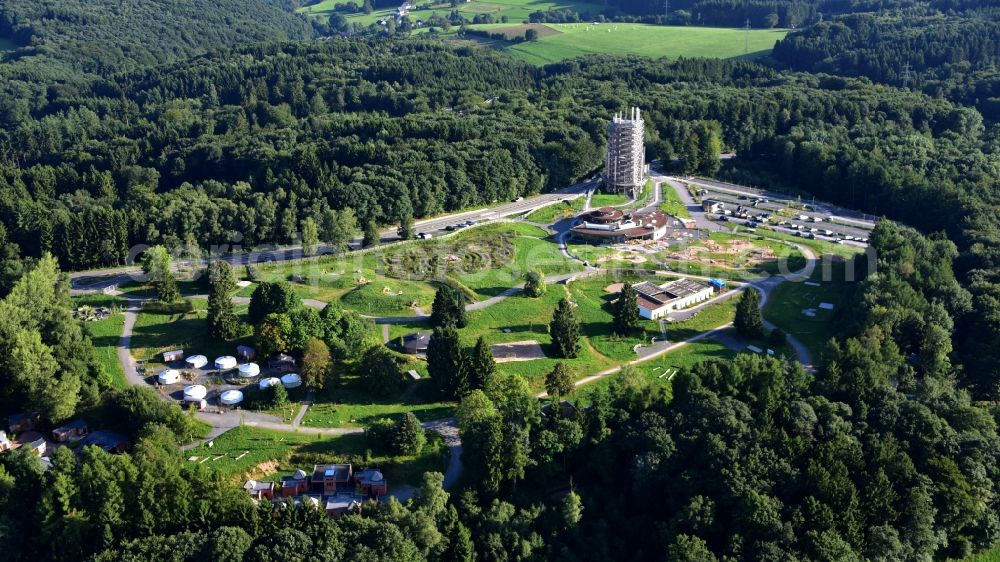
[788,300]
[515,11]
[105,335]
[992,555]
[595,311]
[156,333]
[579,39]
[607,200]
[272,454]
[654,371]
[351,404]
[372,283]
[558,211]
[671,202]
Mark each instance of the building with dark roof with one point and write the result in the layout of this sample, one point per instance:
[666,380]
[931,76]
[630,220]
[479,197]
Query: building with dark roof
[73,430]
[110,441]
[415,343]
[260,490]
[23,422]
[656,301]
[328,478]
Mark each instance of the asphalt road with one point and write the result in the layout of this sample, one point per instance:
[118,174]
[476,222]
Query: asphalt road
[99,279]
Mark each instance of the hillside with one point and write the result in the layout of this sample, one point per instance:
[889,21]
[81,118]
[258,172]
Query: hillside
[67,42]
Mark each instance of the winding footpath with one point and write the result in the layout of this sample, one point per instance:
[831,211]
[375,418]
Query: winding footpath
[222,421]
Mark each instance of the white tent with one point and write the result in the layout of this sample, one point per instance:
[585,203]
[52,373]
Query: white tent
[249,370]
[269,382]
[231,397]
[291,380]
[195,393]
[168,376]
[196,361]
[225,362]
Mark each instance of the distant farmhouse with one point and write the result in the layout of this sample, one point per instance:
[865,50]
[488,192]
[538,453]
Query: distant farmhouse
[656,301]
[608,225]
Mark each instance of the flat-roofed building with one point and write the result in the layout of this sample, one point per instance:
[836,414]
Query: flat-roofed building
[656,301]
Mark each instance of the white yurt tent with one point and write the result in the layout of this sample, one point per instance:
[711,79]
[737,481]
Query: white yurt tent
[168,376]
[225,362]
[195,393]
[249,370]
[291,380]
[269,382]
[196,361]
[231,397]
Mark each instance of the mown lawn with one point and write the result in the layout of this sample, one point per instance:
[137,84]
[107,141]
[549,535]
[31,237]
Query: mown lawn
[596,314]
[515,11]
[106,333]
[352,404]
[658,371]
[607,200]
[557,211]
[671,202]
[576,39]
[155,333]
[247,452]
[788,300]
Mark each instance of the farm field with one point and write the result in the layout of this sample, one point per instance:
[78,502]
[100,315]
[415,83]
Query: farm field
[272,454]
[515,11]
[654,41]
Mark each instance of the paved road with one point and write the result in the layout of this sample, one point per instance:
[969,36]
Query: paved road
[98,279]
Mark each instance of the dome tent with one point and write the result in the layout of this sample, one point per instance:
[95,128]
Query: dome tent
[195,393]
[168,376]
[231,397]
[269,382]
[196,362]
[225,363]
[291,380]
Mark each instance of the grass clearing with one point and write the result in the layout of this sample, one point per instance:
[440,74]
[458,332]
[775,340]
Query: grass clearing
[653,371]
[991,555]
[558,211]
[671,202]
[352,404]
[514,10]
[608,200]
[272,454]
[788,300]
[106,334]
[576,39]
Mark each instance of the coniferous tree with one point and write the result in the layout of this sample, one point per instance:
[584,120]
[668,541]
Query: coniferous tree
[748,322]
[448,307]
[559,381]
[482,365]
[408,438]
[446,362]
[627,311]
[458,539]
[565,330]
[222,321]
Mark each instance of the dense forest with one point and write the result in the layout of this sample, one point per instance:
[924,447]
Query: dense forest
[170,123]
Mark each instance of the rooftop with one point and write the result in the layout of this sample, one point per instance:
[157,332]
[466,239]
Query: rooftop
[652,295]
[339,472]
[75,424]
[105,439]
